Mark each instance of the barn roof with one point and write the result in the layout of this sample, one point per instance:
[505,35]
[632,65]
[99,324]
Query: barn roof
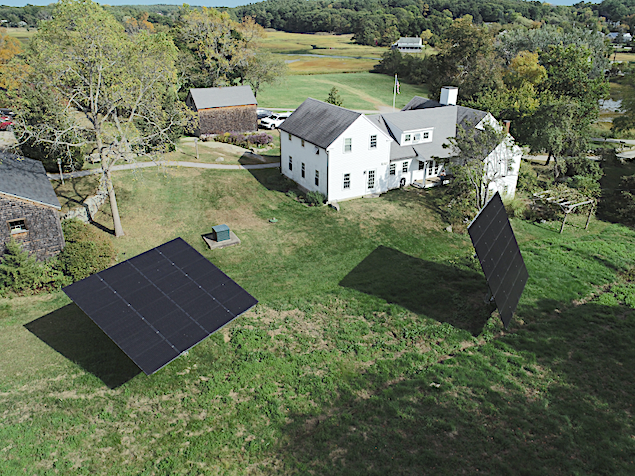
[318,122]
[26,179]
[207,98]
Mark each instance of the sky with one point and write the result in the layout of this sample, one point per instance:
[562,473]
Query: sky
[206,3]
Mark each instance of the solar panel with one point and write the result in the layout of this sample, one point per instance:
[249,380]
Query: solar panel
[500,257]
[160,303]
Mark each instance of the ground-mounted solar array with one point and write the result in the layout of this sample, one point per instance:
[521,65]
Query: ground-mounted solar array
[499,255]
[160,303]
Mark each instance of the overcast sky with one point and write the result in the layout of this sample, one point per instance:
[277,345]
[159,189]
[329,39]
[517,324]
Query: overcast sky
[208,3]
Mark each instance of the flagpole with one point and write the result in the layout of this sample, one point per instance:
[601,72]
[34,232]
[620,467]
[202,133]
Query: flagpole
[394,92]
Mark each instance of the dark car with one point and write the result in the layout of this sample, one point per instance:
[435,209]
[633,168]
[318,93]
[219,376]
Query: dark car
[262,113]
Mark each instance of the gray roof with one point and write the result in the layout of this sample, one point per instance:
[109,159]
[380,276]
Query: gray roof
[418,102]
[318,122]
[467,114]
[26,178]
[206,98]
[410,40]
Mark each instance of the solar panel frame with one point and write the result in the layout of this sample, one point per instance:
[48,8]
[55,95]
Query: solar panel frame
[500,256]
[161,303]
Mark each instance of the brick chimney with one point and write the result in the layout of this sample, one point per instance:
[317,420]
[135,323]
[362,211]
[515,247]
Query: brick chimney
[507,124]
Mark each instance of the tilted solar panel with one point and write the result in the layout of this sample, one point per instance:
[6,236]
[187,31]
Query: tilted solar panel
[500,257]
[160,303]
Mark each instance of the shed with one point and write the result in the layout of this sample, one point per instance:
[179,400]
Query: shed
[29,207]
[220,110]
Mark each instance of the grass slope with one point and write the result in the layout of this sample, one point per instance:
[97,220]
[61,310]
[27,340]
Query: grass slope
[370,352]
[364,91]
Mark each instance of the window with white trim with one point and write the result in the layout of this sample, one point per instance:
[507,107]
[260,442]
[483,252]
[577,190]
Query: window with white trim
[392,169]
[407,138]
[426,135]
[302,169]
[317,177]
[347,181]
[317,150]
[404,167]
[371,179]
[373,141]
[302,142]
[289,136]
[17,226]
[348,144]
[436,168]
[417,137]
[290,163]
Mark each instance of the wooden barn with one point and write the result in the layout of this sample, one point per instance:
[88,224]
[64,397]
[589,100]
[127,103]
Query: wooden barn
[220,110]
[29,208]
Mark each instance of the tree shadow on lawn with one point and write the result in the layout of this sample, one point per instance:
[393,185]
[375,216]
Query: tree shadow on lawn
[73,334]
[553,398]
[441,292]
[273,180]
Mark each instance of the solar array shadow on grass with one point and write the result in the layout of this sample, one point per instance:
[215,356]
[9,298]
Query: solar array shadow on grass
[441,292]
[74,335]
[160,303]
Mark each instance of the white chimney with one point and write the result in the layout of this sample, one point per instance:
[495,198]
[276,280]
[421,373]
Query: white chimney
[449,95]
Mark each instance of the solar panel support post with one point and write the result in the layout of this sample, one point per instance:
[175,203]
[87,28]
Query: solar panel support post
[588,219]
[566,214]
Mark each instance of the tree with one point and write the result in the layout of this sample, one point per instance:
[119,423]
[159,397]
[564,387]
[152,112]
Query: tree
[115,90]
[263,68]
[471,147]
[334,97]
[221,47]
[466,60]
[627,120]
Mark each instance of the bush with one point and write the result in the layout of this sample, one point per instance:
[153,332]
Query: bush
[86,252]
[21,273]
[585,184]
[623,201]
[583,166]
[515,207]
[527,178]
[315,198]
[245,140]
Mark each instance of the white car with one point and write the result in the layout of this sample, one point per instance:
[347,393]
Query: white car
[274,121]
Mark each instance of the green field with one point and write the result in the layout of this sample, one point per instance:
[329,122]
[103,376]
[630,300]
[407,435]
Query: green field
[300,43]
[371,351]
[365,91]
[22,34]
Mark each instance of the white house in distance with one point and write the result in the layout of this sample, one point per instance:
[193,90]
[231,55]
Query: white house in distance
[408,45]
[345,154]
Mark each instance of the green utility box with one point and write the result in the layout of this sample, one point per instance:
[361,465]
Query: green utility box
[221,232]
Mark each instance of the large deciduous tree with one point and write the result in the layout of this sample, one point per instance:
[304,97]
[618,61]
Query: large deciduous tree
[471,148]
[110,91]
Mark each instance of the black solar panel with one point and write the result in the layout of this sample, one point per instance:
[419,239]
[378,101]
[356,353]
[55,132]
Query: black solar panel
[500,257]
[160,303]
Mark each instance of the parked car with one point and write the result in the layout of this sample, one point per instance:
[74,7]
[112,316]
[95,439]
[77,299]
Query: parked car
[6,119]
[262,113]
[274,121]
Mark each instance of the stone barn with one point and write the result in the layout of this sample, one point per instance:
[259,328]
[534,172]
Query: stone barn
[29,208]
[220,110]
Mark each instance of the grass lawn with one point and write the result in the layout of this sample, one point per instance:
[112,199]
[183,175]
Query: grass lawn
[317,65]
[22,34]
[73,192]
[366,91]
[300,43]
[371,351]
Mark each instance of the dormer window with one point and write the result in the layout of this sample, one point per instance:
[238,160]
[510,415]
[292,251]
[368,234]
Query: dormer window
[417,137]
[426,135]
[407,138]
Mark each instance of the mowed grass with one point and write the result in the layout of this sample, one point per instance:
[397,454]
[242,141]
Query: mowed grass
[22,34]
[365,91]
[371,351]
[72,193]
[317,65]
[300,43]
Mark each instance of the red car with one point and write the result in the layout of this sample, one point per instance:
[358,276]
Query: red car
[6,123]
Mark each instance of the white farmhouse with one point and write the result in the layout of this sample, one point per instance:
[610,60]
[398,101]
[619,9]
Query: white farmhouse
[408,45]
[345,154]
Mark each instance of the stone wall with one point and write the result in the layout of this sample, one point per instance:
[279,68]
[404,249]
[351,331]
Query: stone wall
[228,119]
[43,237]
[89,207]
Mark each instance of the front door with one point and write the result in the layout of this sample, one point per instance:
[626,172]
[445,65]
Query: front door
[371,180]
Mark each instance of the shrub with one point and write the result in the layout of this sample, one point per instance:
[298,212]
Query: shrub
[21,273]
[585,184]
[315,198]
[86,252]
[527,178]
[623,201]
[515,207]
[244,140]
[583,167]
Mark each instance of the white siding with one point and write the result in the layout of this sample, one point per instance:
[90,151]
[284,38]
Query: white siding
[312,162]
[503,165]
[358,162]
